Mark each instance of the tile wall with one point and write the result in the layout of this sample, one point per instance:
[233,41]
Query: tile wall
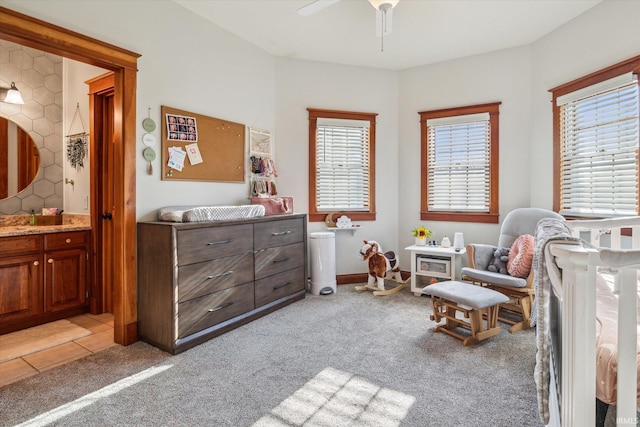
[38,76]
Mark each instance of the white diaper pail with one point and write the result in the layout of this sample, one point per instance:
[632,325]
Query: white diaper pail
[323,262]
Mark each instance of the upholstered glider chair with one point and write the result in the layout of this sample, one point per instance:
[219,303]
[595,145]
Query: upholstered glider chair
[519,222]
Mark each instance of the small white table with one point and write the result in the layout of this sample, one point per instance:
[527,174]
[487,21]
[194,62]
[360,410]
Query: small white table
[433,261]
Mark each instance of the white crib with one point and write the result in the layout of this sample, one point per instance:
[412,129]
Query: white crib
[572,396]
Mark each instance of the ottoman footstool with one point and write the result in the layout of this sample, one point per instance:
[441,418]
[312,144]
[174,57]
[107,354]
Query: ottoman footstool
[475,302]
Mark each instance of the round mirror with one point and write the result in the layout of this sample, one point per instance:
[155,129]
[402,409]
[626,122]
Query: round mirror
[19,159]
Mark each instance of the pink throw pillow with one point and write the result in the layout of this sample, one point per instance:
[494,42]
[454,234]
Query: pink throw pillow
[521,256]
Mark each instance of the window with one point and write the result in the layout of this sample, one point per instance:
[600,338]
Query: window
[596,125]
[341,164]
[459,164]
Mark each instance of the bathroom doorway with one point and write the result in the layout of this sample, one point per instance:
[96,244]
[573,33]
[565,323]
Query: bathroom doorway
[32,32]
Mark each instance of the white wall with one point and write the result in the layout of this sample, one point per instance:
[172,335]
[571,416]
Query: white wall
[191,64]
[304,84]
[76,196]
[186,63]
[503,76]
[602,36]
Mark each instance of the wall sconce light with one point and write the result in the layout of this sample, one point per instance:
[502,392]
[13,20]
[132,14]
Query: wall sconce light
[13,95]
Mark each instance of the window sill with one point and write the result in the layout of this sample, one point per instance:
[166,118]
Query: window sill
[354,216]
[487,218]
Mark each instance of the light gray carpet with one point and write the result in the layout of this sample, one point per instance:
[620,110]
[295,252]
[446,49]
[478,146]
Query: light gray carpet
[345,359]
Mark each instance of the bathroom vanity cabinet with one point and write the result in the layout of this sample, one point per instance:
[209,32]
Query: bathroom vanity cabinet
[43,277]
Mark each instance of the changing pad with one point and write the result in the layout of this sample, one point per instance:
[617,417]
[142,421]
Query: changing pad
[209,213]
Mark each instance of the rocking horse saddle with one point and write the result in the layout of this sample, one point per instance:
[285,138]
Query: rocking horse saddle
[391,256]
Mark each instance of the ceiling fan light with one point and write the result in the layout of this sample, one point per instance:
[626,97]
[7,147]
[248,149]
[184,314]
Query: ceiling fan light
[383,4]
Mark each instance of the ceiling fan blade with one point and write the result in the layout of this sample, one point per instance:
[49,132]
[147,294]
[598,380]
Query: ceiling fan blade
[384,23]
[316,6]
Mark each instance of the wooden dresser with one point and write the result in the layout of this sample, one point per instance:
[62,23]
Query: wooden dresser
[199,280]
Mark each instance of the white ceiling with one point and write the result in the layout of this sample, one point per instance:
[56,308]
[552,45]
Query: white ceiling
[424,31]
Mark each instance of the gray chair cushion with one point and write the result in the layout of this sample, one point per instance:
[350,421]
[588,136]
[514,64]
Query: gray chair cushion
[466,293]
[493,278]
[522,221]
[482,255]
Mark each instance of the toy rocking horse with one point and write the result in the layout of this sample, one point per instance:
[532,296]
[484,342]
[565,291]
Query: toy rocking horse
[379,264]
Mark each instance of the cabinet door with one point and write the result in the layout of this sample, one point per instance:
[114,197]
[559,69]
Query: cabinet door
[20,287]
[65,279]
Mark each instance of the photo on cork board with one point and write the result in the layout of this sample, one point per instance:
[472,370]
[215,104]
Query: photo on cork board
[181,128]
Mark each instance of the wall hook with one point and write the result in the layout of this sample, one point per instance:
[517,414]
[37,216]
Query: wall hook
[69,181]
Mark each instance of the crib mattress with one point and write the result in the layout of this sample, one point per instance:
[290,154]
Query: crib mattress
[607,339]
[209,213]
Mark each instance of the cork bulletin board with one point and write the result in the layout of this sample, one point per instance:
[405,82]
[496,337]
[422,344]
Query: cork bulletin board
[201,148]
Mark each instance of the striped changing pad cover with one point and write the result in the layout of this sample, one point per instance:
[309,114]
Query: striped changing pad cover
[209,213]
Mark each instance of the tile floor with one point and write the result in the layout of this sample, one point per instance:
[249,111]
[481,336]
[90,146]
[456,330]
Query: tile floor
[101,327]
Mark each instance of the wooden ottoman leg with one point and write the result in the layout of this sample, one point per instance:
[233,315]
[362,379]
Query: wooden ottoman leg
[492,324]
[475,324]
[525,305]
[451,315]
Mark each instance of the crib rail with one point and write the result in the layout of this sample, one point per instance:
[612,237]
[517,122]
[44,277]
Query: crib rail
[614,233]
[577,295]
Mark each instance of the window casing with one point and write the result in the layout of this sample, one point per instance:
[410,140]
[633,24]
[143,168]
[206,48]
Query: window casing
[596,123]
[459,164]
[341,164]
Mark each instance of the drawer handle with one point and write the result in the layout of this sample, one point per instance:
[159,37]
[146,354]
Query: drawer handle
[68,240]
[280,233]
[211,310]
[226,273]
[281,286]
[219,242]
[50,260]
[36,262]
[280,260]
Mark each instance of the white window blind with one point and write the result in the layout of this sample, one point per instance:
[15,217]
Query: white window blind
[459,174]
[599,149]
[342,162]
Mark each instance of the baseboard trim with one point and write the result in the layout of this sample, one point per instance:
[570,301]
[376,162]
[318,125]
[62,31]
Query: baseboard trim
[347,279]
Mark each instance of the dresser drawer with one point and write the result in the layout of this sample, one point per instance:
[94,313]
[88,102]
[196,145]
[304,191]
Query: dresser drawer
[70,239]
[203,244]
[279,285]
[276,260]
[277,233]
[200,313]
[20,245]
[203,278]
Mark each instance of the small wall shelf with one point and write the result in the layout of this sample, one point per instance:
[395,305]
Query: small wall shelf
[352,229]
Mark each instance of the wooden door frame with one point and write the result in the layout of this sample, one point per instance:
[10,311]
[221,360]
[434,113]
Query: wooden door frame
[37,34]
[99,87]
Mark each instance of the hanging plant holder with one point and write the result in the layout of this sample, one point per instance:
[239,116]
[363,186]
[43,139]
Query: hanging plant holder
[77,143]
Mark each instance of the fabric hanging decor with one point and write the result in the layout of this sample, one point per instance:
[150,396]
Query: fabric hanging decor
[77,149]
[77,143]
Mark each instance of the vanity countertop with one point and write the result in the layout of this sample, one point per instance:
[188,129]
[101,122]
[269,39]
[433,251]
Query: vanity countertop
[23,230]
[18,225]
